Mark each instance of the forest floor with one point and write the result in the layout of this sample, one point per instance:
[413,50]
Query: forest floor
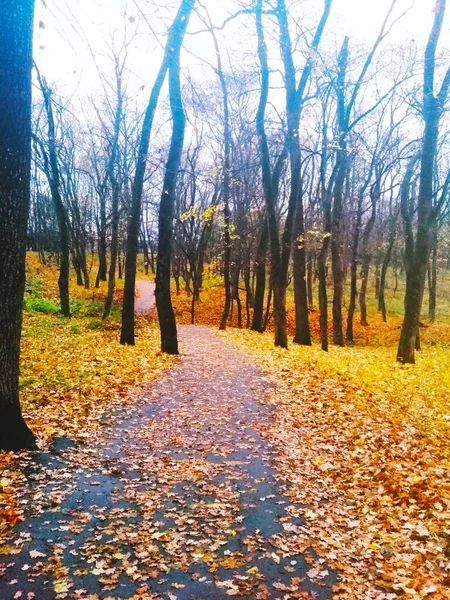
[177,497]
[236,469]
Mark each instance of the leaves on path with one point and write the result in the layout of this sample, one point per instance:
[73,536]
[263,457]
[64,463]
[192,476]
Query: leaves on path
[367,455]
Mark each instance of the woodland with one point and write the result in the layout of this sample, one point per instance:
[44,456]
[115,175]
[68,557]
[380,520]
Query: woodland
[224,300]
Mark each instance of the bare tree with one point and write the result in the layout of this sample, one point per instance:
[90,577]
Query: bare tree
[418,247]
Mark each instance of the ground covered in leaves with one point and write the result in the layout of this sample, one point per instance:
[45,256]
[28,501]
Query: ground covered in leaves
[363,444]
[175,498]
[238,469]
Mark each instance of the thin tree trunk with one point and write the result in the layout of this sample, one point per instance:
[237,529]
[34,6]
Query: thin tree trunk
[166,316]
[384,270]
[260,269]
[354,270]
[432,280]
[52,172]
[102,247]
[175,37]
[302,330]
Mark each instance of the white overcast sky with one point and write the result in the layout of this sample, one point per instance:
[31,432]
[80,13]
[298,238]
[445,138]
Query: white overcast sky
[66,61]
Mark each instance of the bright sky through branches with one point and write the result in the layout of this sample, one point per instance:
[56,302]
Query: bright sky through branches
[66,29]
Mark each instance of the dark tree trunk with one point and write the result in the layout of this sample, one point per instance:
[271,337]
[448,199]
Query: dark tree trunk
[338,198]
[336,246]
[146,254]
[175,38]
[102,247]
[115,187]
[227,140]
[16,23]
[432,280]
[354,270]
[77,268]
[51,168]
[260,268]
[365,252]
[384,270]
[268,306]
[114,247]
[166,316]
[419,249]
[309,281]
[302,330]
[249,300]
[226,266]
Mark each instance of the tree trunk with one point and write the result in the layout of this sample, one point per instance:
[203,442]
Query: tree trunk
[432,280]
[260,268]
[114,248]
[52,173]
[302,330]
[354,270]
[309,281]
[115,187]
[175,38]
[433,108]
[384,270]
[16,22]
[102,248]
[166,316]
[336,246]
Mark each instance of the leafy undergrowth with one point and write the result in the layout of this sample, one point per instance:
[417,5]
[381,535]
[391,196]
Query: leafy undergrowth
[364,446]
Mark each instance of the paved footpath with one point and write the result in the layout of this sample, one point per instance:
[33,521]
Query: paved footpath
[176,499]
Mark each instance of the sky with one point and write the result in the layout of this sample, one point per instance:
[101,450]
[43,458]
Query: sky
[69,34]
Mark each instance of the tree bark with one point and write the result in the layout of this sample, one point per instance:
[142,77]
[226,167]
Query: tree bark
[175,38]
[16,23]
[166,316]
[433,107]
[260,289]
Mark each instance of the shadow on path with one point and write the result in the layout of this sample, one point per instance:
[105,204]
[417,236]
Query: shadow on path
[177,499]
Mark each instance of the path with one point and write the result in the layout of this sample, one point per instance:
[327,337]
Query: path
[145,296]
[176,500]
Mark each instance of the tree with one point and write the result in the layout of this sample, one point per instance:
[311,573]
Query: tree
[16,22]
[417,250]
[295,99]
[173,45]
[52,172]
[166,316]
[281,245]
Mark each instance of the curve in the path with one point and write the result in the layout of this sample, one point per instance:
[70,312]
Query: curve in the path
[178,500]
[145,296]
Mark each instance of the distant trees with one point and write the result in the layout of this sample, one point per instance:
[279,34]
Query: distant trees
[304,163]
[16,22]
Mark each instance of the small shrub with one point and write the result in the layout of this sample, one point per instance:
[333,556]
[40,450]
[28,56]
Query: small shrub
[95,324]
[35,286]
[42,305]
[75,328]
